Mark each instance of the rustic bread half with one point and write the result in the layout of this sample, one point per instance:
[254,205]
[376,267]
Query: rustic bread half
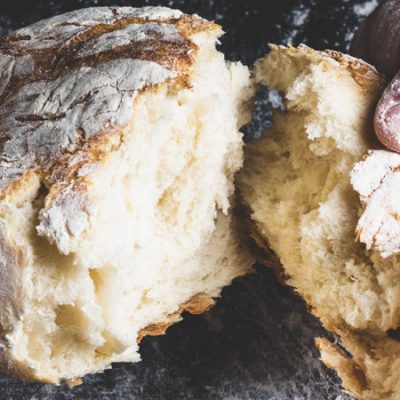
[119,145]
[328,206]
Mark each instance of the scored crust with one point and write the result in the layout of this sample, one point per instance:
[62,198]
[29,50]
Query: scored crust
[67,84]
[66,90]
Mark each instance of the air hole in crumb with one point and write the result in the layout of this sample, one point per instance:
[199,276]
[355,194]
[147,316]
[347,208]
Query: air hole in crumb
[111,345]
[97,279]
[72,333]
[71,318]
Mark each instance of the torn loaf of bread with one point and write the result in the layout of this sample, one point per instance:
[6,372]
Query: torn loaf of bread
[119,145]
[328,205]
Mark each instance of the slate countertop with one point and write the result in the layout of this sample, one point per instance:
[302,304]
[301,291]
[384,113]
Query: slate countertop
[257,343]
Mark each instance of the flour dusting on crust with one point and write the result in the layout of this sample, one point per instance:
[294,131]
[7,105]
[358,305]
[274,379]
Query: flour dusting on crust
[377,180]
[73,77]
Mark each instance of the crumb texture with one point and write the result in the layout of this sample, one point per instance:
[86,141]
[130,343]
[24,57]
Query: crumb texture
[328,212]
[117,182]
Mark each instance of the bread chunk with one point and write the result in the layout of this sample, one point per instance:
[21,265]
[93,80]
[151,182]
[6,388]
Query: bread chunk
[120,140]
[325,196]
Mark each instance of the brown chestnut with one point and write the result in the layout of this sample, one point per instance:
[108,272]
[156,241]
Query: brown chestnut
[377,41]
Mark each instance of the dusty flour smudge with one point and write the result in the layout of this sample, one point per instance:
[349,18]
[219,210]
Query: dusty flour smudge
[276,100]
[297,19]
[300,16]
[365,8]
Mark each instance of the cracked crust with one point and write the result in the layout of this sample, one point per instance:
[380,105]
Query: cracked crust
[66,91]
[67,84]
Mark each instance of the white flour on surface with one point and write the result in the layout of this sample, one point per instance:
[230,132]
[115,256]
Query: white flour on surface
[365,8]
[275,98]
[298,17]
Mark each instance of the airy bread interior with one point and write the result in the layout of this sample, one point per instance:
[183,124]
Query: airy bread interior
[297,184]
[159,230]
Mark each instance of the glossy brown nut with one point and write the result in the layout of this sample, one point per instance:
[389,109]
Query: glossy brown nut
[377,41]
[387,116]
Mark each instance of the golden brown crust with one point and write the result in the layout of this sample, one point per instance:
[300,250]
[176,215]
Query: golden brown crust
[74,382]
[196,305]
[256,243]
[364,74]
[333,357]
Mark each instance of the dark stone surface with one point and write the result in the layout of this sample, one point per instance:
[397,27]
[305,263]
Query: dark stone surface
[257,343]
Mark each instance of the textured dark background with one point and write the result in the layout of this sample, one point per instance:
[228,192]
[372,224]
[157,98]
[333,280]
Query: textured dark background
[257,343]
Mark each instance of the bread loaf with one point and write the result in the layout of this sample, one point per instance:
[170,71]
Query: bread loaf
[119,145]
[325,196]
